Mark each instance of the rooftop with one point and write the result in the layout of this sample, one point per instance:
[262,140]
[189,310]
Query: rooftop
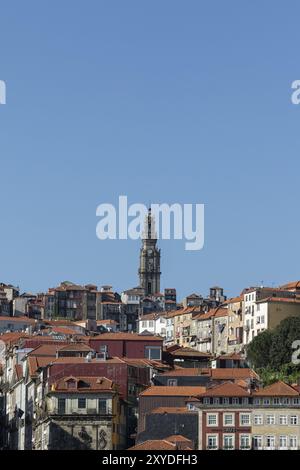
[156,391]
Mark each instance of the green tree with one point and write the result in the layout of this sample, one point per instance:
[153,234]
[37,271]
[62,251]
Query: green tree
[258,351]
[283,337]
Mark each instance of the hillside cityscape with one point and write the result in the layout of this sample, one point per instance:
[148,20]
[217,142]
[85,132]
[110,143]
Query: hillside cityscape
[87,368]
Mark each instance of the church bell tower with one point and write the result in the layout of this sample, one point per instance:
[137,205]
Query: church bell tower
[149,272]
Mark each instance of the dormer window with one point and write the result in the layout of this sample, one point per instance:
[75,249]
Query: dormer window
[71,384]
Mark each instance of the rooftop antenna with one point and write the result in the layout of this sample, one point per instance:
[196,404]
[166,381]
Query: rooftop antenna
[261,284]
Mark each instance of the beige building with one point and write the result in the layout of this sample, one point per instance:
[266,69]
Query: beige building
[204,331]
[235,324]
[276,418]
[220,331]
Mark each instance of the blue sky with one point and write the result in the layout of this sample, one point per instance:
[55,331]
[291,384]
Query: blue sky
[169,101]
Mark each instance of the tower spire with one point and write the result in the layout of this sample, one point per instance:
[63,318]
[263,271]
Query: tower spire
[149,271]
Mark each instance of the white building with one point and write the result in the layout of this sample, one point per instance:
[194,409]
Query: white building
[255,311]
[154,323]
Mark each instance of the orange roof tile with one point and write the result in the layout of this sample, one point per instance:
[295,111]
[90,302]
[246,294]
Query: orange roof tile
[277,389]
[188,391]
[83,384]
[226,390]
[154,445]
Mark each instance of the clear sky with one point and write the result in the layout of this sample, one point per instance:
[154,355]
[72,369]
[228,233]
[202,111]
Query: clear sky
[163,101]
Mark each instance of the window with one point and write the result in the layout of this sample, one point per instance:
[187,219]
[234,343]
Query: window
[283,420]
[245,401]
[296,401]
[244,419]
[206,401]
[270,419]
[294,420]
[172,382]
[270,442]
[266,401]
[212,419]
[228,441]
[283,442]
[212,441]
[235,401]
[276,401]
[61,406]
[285,401]
[258,420]
[245,441]
[153,352]
[216,401]
[293,442]
[257,442]
[225,401]
[102,405]
[81,403]
[144,324]
[151,324]
[262,319]
[228,419]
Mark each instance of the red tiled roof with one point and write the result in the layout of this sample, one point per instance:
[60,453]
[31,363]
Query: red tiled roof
[154,445]
[83,384]
[12,338]
[277,389]
[232,373]
[226,390]
[180,391]
[291,285]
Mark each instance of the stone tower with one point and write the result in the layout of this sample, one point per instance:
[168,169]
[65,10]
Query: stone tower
[149,272]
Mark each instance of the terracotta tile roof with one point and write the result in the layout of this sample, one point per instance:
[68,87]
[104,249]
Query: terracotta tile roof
[154,445]
[34,363]
[44,350]
[206,316]
[177,438]
[221,312]
[64,331]
[277,389]
[233,373]
[180,391]
[13,338]
[126,336]
[83,384]
[226,390]
[233,300]
[291,285]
